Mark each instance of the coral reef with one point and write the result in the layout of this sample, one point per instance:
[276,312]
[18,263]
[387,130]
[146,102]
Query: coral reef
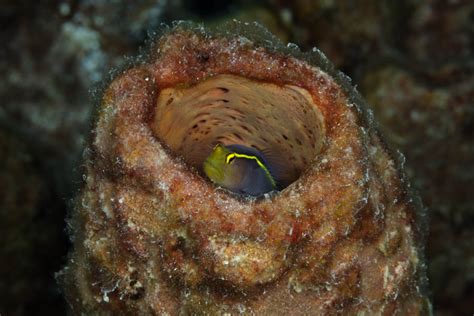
[153,236]
[442,154]
[350,33]
[29,231]
[424,104]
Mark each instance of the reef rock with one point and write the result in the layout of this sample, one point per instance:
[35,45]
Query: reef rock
[152,235]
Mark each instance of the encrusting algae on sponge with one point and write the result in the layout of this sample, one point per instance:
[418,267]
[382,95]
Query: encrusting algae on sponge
[154,236]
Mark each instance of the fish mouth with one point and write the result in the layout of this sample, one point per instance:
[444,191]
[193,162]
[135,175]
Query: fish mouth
[211,171]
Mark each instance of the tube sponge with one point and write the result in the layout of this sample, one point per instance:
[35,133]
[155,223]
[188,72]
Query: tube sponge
[152,235]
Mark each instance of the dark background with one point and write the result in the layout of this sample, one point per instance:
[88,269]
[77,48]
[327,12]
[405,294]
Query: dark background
[412,60]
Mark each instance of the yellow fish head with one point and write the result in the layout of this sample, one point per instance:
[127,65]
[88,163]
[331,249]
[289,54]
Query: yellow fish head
[216,168]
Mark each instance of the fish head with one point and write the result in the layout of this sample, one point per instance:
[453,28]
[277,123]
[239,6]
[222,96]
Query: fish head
[218,169]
